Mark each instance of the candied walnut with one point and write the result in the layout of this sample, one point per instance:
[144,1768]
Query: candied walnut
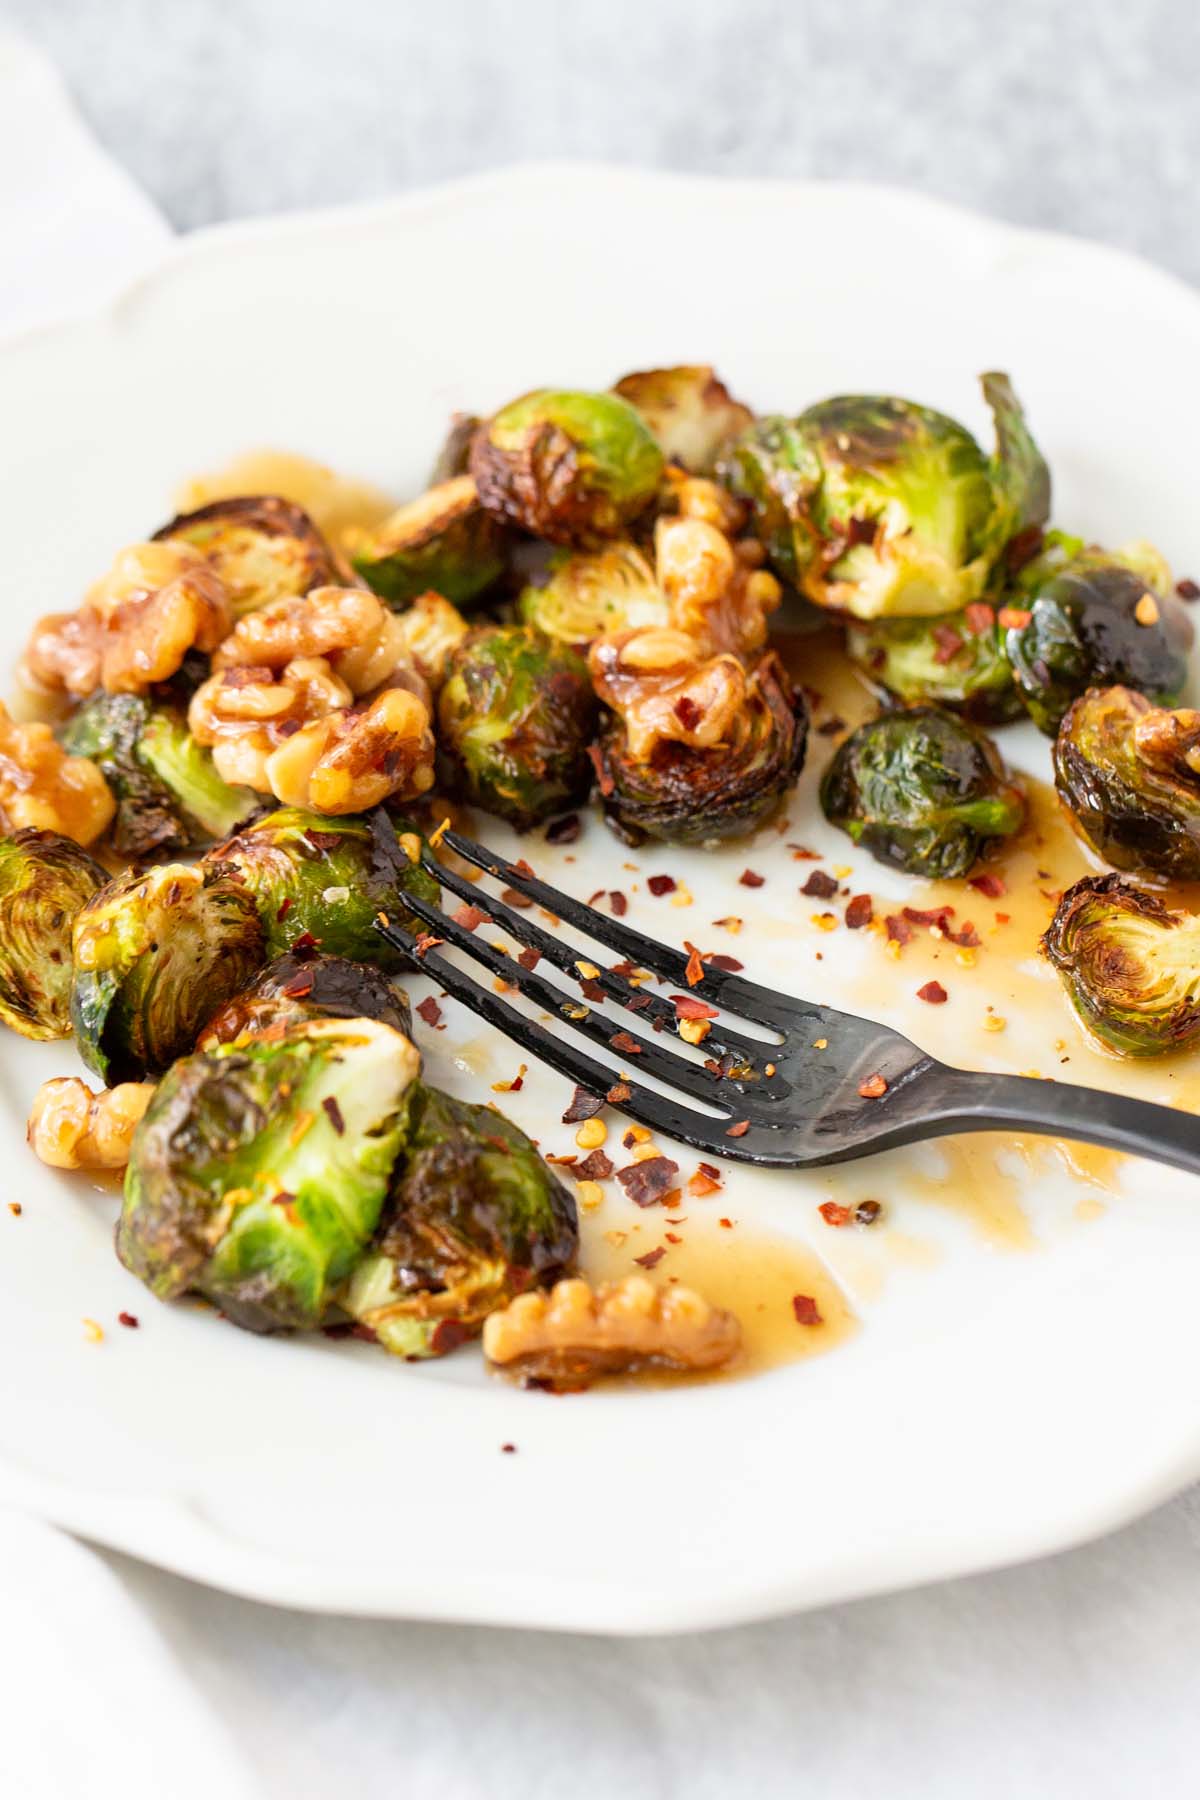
[70,1127]
[713,595]
[663,689]
[696,497]
[44,789]
[322,623]
[244,714]
[352,759]
[63,654]
[573,1334]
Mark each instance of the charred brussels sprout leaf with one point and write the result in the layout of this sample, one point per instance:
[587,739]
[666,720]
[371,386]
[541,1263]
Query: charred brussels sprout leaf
[259,1171]
[320,882]
[1131,967]
[515,720]
[587,593]
[690,411]
[455,454]
[1129,772]
[684,794]
[573,468]
[168,792]
[45,881]
[1093,618]
[957,660]
[153,954]
[444,542]
[879,507]
[298,987]
[262,547]
[474,1217]
[922,791]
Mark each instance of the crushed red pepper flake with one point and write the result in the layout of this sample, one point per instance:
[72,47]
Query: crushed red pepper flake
[512,897]
[979,617]
[725,1224]
[618,1092]
[563,831]
[1003,918]
[806,1310]
[648,1182]
[425,942]
[591,990]
[833,1213]
[899,931]
[701,1185]
[661,884]
[514,1086]
[820,886]
[717,959]
[688,712]
[15,1208]
[618,902]
[529,959]
[652,1258]
[582,1106]
[738,1130]
[285,907]
[306,942]
[694,972]
[1187,589]
[448,1335]
[801,853]
[603,779]
[688,1007]
[873,1088]
[672,1237]
[470,917]
[627,1045]
[431,1012]
[1013,618]
[990,885]
[333,1113]
[751,878]
[508,1449]
[859,912]
[595,1167]
[949,642]
[867,1211]
[831,726]
[299,986]
[934,993]
[128,1319]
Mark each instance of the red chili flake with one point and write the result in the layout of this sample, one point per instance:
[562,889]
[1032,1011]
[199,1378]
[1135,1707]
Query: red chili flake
[603,779]
[801,854]
[618,902]
[867,1211]
[128,1319]
[285,907]
[672,1237]
[650,1181]
[820,886]
[806,1310]
[936,917]
[529,959]
[979,617]
[740,1129]
[725,1224]
[898,929]
[1013,618]
[688,712]
[1021,549]
[1187,589]
[583,1106]
[511,1087]
[639,1003]
[711,1170]
[934,993]
[622,1041]
[425,942]
[873,1088]
[306,941]
[470,917]
[283,1198]
[619,1092]
[596,1167]
[512,898]
[567,1162]
[949,642]
[631,1137]
[652,1258]
[661,884]
[298,987]
[991,885]
[431,1012]
[967,936]
[700,1185]
[751,878]
[448,1335]
[687,1007]
[591,990]
[859,912]
[15,1208]
[831,727]
[716,959]
[563,831]
[694,972]
[334,1114]
[1003,918]
[508,1449]
[833,1214]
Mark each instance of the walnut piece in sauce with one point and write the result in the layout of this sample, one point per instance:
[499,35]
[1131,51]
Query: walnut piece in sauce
[44,789]
[243,714]
[574,1334]
[70,1127]
[355,758]
[663,689]
[716,591]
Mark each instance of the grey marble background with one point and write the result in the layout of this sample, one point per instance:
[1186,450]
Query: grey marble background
[1077,114]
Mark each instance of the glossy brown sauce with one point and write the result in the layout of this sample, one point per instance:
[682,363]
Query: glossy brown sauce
[335,503]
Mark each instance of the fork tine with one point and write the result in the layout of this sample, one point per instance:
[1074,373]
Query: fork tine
[573,1010]
[732,990]
[565,957]
[648,1108]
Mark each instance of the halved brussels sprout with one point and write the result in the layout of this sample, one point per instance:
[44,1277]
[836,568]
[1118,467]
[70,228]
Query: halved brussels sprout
[167,791]
[574,468]
[259,1171]
[444,541]
[473,1218]
[153,955]
[263,548]
[45,881]
[304,986]
[323,881]
[1131,967]
[879,507]
[921,790]
[1095,618]
[587,593]
[454,457]
[956,660]
[685,794]
[515,719]
[690,411]
[1129,773]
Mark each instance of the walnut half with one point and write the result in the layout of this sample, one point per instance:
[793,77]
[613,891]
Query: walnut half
[44,789]
[574,1334]
[70,1127]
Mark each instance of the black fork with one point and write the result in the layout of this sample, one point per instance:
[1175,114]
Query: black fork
[833,1087]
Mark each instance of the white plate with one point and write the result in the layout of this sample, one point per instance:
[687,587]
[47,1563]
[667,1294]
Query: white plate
[993,1405]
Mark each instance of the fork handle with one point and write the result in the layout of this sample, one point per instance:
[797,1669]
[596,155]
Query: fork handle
[985,1102]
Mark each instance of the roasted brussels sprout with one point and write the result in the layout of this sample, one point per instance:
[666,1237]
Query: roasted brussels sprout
[689,788]
[153,955]
[956,660]
[690,411]
[444,542]
[515,720]
[473,1218]
[45,881]
[574,468]
[1129,773]
[587,593]
[1083,617]
[259,1171]
[454,457]
[263,548]
[322,881]
[304,986]
[167,791]
[879,507]
[921,790]
[1131,967]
